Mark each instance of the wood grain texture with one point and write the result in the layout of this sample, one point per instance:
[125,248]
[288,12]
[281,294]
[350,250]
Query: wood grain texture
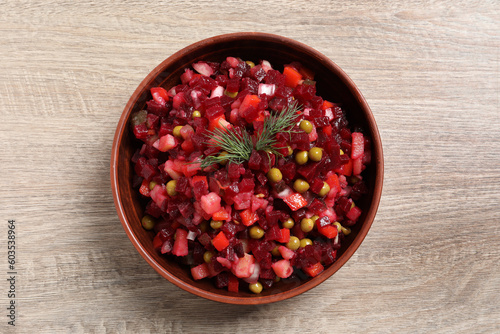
[428,69]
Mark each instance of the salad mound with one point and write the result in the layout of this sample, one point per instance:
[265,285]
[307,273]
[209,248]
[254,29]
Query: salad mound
[248,177]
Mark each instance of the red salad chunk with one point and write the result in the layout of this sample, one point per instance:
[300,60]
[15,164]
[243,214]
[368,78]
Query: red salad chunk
[247,175]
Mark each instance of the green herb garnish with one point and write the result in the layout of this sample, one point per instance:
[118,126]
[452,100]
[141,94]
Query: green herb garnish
[239,146]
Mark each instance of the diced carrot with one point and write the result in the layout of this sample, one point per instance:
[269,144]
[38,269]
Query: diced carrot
[144,189]
[157,243]
[222,214]
[233,283]
[219,122]
[285,236]
[220,242]
[295,201]
[198,178]
[345,169]
[329,231]
[326,105]
[160,95]
[327,130]
[248,217]
[314,269]
[292,77]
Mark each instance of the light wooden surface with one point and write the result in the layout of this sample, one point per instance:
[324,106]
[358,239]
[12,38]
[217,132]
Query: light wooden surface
[430,72]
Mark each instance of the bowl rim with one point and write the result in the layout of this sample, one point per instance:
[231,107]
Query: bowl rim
[378,161]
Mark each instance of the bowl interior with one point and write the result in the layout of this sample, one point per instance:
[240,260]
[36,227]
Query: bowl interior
[332,84]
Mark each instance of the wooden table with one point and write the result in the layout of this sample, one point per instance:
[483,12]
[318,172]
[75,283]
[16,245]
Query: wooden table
[429,71]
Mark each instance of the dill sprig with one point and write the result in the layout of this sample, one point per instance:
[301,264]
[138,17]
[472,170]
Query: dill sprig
[239,146]
[274,124]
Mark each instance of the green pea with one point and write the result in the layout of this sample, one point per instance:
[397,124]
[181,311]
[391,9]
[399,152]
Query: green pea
[288,223]
[300,186]
[293,243]
[306,126]
[305,242]
[256,232]
[301,157]
[274,175]
[204,226]
[216,224]
[148,222]
[276,251]
[255,287]
[171,188]
[325,190]
[223,154]
[207,256]
[177,131]
[152,185]
[306,225]
[315,154]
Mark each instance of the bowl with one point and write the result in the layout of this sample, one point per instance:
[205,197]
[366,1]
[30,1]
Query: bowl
[332,83]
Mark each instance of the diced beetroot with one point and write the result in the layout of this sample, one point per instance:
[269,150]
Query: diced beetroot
[156,108]
[233,85]
[267,274]
[205,240]
[222,280]
[141,131]
[234,170]
[344,204]
[317,206]
[354,213]
[316,185]
[255,160]
[214,112]
[243,201]
[300,140]
[282,268]
[200,272]
[210,203]
[297,231]
[153,209]
[246,185]
[181,243]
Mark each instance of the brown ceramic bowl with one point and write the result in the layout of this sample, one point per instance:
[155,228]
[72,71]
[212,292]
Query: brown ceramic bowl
[332,83]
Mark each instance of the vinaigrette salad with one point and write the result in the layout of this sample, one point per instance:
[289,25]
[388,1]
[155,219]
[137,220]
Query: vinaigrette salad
[247,175]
